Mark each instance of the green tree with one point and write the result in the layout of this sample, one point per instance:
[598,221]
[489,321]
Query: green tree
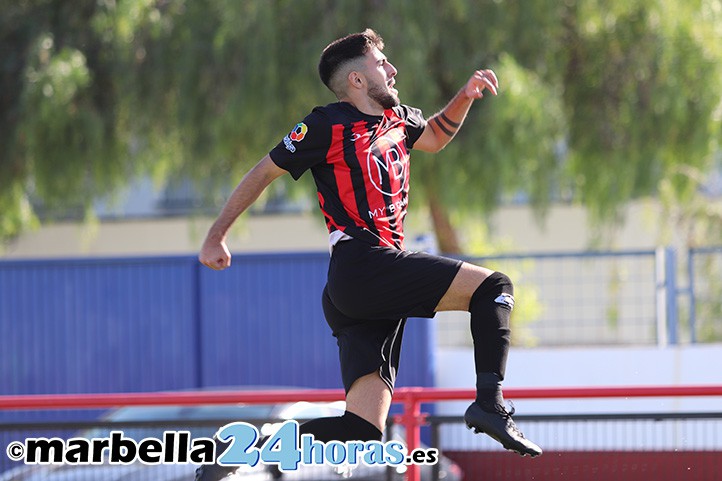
[600,101]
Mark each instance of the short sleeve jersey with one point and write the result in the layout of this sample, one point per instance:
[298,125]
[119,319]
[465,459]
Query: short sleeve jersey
[360,164]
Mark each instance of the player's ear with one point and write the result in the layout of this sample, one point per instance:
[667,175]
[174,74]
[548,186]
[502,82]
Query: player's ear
[355,79]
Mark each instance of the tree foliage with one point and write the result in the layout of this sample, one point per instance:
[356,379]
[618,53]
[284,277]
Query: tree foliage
[600,101]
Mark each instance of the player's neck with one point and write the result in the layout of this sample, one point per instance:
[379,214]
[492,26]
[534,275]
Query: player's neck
[364,105]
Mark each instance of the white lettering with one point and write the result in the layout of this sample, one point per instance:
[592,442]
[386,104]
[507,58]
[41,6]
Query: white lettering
[389,209]
[289,144]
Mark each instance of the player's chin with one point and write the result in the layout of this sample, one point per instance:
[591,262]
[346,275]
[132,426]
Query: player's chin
[395,95]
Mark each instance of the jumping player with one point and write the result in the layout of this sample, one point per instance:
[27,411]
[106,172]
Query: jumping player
[357,150]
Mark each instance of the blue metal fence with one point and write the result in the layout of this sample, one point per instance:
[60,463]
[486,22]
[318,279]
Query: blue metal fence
[96,325]
[148,324]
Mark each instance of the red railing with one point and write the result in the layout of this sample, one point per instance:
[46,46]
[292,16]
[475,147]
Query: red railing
[410,397]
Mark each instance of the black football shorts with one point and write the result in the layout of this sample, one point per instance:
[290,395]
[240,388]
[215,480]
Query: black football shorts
[370,293]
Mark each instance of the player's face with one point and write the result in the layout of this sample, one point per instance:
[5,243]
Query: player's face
[381,75]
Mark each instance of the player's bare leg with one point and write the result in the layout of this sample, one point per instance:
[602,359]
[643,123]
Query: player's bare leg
[370,398]
[489,296]
[367,405]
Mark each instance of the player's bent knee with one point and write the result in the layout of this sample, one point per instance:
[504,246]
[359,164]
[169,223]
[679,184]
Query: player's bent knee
[499,286]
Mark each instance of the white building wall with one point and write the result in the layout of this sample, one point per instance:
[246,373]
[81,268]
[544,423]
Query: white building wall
[566,229]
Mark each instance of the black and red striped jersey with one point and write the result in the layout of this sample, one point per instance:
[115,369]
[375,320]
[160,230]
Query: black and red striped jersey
[360,164]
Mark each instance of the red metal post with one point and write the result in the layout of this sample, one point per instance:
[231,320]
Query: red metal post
[412,419]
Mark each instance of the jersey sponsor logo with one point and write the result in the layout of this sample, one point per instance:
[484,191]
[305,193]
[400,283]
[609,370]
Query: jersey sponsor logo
[388,164]
[297,134]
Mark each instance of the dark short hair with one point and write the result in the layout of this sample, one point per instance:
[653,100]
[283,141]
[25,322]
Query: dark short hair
[345,49]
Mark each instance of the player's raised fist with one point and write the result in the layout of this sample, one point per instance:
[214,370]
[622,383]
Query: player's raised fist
[479,81]
[215,255]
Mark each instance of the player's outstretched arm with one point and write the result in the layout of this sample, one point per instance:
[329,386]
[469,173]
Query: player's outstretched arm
[214,252]
[442,127]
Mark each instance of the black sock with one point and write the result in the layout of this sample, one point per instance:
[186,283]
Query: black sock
[490,308]
[348,427]
[488,389]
